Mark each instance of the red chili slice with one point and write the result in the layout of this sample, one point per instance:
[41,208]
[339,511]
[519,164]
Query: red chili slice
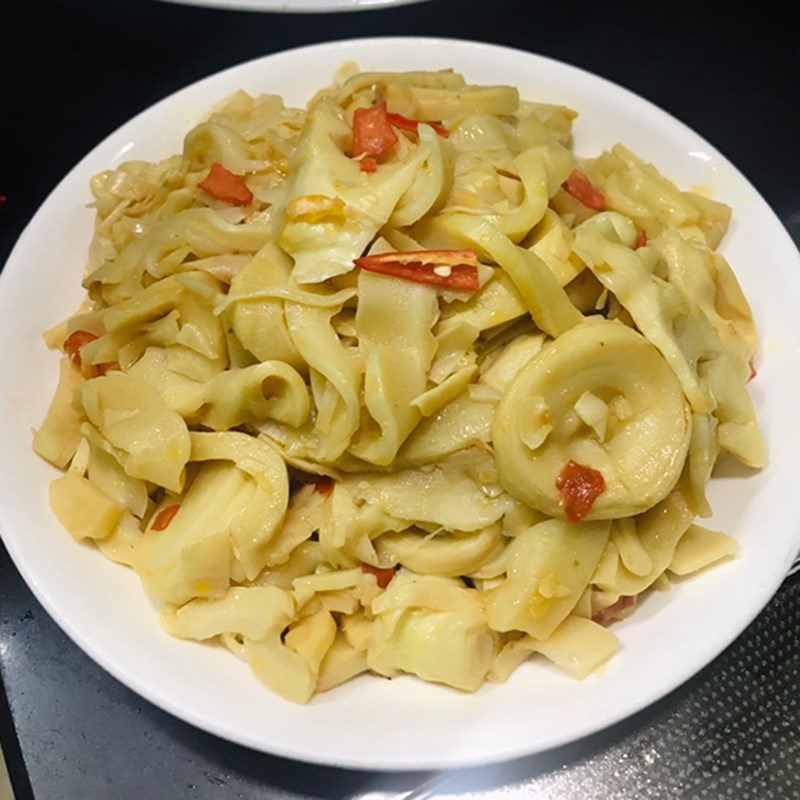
[451,269]
[383,576]
[101,369]
[224,185]
[407,124]
[369,164]
[164,517]
[579,487]
[323,484]
[581,188]
[74,342]
[372,133]
[72,347]
[641,240]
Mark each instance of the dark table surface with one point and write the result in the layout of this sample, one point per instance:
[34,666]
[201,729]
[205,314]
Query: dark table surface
[71,72]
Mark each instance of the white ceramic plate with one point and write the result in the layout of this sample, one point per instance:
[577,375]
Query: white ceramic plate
[296,6]
[404,724]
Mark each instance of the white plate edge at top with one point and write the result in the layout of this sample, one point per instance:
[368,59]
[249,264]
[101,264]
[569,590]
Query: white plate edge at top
[295,6]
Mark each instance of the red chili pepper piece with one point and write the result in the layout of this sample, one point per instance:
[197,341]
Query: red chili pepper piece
[72,347]
[383,576]
[323,484]
[641,240]
[74,342]
[164,517]
[224,185]
[372,133]
[407,124]
[369,164]
[579,487]
[101,369]
[451,269]
[581,188]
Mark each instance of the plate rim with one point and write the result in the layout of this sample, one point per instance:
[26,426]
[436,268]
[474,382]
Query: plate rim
[285,7]
[125,675]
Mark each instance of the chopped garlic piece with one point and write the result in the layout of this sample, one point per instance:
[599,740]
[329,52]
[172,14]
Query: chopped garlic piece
[481,393]
[621,408]
[314,207]
[535,423]
[594,412]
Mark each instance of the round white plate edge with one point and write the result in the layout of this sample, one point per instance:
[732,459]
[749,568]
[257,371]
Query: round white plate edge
[295,6]
[766,589]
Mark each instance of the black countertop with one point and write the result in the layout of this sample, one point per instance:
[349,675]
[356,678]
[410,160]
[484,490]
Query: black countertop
[74,71]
